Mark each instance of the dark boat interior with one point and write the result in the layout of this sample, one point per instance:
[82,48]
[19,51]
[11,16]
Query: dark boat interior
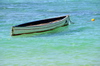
[40,22]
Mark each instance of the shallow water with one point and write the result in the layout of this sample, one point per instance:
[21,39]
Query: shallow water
[73,45]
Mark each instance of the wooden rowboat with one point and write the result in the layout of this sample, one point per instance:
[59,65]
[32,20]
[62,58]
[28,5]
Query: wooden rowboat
[40,26]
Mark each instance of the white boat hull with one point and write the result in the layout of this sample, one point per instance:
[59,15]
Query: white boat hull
[40,28]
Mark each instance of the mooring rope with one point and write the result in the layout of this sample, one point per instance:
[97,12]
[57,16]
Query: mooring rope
[70,20]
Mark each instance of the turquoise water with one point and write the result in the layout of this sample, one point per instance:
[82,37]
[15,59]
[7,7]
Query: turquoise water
[75,45]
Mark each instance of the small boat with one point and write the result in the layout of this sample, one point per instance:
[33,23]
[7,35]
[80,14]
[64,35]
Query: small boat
[40,25]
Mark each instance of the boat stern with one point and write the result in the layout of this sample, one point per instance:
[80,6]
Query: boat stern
[12,31]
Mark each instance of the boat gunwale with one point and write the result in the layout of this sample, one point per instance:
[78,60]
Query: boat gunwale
[52,22]
[55,21]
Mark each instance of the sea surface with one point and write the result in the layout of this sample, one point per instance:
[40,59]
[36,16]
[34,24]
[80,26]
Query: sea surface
[75,45]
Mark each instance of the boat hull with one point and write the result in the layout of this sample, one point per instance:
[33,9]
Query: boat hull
[40,28]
